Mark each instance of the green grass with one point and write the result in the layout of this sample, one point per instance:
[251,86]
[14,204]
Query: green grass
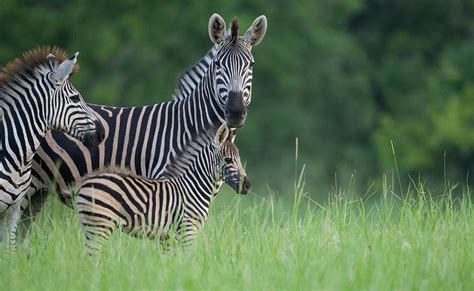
[258,243]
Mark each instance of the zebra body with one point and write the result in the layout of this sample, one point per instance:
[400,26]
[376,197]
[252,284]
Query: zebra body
[35,97]
[143,138]
[151,208]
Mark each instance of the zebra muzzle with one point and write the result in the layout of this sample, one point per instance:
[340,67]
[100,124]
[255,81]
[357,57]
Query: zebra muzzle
[245,185]
[95,137]
[235,111]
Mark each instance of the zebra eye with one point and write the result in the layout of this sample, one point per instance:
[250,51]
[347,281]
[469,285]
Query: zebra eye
[252,63]
[228,160]
[75,98]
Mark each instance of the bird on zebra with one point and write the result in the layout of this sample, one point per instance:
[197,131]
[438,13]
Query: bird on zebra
[36,97]
[216,90]
[176,203]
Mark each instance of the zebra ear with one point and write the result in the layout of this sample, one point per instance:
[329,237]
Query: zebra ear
[232,134]
[65,69]
[216,28]
[222,135]
[256,32]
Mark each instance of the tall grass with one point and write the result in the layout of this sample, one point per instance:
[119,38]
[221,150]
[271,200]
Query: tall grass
[378,241]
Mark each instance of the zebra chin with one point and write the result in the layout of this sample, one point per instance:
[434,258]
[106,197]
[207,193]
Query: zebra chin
[93,138]
[235,120]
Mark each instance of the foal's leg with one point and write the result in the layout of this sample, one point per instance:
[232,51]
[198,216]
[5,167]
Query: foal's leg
[188,229]
[97,231]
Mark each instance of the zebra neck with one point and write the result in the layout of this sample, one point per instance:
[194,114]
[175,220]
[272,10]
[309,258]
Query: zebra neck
[22,128]
[193,75]
[203,106]
[197,171]
[200,186]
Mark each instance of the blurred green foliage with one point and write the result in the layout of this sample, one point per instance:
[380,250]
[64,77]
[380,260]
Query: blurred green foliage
[346,77]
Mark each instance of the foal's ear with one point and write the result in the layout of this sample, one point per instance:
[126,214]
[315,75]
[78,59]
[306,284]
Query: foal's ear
[222,135]
[256,32]
[232,134]
[216,28]
[64,69]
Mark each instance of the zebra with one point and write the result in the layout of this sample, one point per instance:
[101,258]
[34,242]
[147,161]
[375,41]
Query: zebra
[143,138]
[178,201]
[36,97]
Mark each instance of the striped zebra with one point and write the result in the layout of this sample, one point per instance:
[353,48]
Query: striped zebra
[178,202]
[143,138]
[36,97]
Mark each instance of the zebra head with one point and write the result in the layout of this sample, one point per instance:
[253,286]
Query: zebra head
[231,170]
[69,112]
[232,65]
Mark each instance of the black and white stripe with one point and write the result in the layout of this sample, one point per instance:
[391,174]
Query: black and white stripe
[190,78]
[143,138]
[179,201]
[35,97]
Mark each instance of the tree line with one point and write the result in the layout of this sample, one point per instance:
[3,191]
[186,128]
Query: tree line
[348,78]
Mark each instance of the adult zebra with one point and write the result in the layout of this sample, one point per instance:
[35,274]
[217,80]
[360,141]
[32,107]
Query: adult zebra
[178,201]
[143,138]
[35,97]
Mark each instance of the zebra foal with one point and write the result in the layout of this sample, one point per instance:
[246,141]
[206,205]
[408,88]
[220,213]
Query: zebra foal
[151,208]
[35,97]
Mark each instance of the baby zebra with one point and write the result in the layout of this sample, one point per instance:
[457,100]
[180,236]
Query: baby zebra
[151,208]
[36,97]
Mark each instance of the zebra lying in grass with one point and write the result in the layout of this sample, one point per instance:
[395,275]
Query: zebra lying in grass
[35,97]
[152,208]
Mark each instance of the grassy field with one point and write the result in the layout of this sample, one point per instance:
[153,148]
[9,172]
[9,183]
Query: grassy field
[380,242]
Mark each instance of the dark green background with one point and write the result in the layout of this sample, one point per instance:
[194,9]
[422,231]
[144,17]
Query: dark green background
[346,77]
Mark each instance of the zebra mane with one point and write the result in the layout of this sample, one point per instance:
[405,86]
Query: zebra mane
[2,134]
[116,170]
[234,29]
[29,60]
[181,160]
[190,77]
[123,171]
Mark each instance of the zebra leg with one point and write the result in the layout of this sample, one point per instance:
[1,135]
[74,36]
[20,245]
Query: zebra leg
[4,206]
[97,231]
[13,216]
[188,229]
[3,227]
[31,206]
[94,243]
